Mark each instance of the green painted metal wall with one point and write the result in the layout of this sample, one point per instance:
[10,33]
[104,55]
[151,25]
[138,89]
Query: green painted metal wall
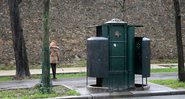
[121,55]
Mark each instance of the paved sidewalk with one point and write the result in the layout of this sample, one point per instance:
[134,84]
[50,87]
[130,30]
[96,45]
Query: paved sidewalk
[171,65]
[39,71]
[76,69]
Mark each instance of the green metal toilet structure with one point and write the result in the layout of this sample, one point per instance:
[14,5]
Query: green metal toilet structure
[115,55]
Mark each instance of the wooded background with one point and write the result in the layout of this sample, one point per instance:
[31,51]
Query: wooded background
[70,21]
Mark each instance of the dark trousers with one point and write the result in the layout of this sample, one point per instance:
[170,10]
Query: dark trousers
[53,66]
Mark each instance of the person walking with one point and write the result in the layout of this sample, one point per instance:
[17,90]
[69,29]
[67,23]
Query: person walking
[54,57]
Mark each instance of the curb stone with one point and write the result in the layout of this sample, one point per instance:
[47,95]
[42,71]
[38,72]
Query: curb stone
[74,97]
[121,94]
[159,93]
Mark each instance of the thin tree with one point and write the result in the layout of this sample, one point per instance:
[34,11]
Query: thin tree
[46,81]
[181,71]
[22,67]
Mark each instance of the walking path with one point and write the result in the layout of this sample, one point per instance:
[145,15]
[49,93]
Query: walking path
[74,69]
[39,71]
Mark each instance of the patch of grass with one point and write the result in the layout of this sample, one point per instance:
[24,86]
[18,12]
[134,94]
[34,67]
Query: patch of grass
[159,70]
[33,93]
[72,92]
[170,83]
[5,78]
[77,75]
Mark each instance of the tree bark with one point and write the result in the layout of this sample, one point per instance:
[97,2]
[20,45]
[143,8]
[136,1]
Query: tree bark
[46,81]
[22,67]
[181,71]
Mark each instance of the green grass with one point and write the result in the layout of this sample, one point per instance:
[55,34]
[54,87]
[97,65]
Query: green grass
[77,75]
[59,76]
[5,78]
[159,70]
[170,83]
[33,93]
[72,93]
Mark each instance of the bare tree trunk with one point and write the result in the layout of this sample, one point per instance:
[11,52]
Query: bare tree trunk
[181,71]
[46,81]
[22,68]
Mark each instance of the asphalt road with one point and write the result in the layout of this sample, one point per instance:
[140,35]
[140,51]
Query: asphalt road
[156,97]
[75,82]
